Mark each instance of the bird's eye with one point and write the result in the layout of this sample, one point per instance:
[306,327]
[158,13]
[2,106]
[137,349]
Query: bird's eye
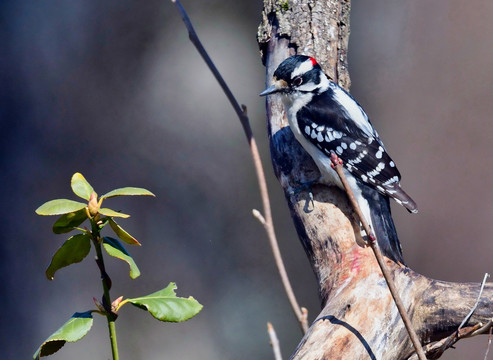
[297,81]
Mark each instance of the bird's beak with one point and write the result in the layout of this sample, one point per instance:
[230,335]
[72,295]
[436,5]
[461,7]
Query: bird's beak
[270,90]
[278,86]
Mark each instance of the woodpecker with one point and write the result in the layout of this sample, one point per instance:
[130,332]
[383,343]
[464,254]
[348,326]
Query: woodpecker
[326,119]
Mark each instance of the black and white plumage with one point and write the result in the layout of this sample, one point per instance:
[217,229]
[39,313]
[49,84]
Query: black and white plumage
[326,119]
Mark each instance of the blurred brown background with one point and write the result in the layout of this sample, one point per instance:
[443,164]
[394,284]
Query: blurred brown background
[115,90]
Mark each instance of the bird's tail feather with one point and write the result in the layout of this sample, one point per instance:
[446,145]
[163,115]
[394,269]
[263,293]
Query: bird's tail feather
[383,224]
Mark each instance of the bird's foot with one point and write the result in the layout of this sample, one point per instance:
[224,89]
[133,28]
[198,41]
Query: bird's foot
[306,186]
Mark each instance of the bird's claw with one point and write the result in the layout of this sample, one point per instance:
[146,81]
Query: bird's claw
[306,186]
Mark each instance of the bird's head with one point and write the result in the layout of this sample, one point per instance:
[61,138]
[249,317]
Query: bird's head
[296,75]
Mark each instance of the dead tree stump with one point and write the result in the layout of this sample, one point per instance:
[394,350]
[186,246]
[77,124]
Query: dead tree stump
[359,319]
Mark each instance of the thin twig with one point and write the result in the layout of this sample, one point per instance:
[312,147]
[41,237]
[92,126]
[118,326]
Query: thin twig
[489,344]
[337,163]
[466,319]
[192,35]
[483,329]
[258,215]
[304,318]
[274,341]
[242,115]
[436,349]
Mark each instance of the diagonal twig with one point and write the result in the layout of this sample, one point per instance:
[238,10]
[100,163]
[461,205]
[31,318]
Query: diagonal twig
[274,341]
[468,316]
[489,344]
[436,349]
[242,115]
[337,164]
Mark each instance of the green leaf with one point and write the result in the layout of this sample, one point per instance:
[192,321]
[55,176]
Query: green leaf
[114,248]
[164,305]
[73,330]
[129,191]
[113,213]
[122,234]
[81,187]
[68,222]
[59,207]
[74,250]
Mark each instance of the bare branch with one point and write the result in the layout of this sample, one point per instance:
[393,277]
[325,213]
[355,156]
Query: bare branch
[192,35]
[258,215]
[483,330]
[466,319]
[337,164]
[241,111]
[437,349]
[274,341]
[489,344]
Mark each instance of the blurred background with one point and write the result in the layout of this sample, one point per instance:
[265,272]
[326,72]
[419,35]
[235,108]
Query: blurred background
[115,90]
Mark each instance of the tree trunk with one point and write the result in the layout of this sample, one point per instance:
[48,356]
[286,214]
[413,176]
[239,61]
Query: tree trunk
[359,319]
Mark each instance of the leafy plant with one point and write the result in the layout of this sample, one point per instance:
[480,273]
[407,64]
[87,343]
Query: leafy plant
[164,305]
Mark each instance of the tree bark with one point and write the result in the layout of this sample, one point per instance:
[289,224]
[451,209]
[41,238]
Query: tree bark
[358,319]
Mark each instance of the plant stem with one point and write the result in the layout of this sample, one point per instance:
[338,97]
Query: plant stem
[114,345]
[106,282]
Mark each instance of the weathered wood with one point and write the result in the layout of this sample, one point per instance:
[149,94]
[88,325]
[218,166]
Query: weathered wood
[359,319]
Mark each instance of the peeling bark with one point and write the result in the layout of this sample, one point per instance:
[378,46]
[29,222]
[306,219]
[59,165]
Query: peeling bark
[359,319]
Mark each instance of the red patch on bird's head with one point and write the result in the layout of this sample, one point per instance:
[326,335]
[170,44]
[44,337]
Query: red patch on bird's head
[314,62]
